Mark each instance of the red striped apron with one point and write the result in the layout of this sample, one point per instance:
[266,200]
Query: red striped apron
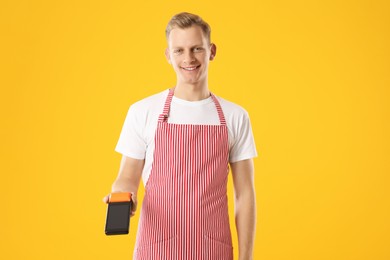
[184,213]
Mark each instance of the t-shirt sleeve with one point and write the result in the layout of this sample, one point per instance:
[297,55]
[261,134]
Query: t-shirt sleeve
[131,141]
[243,146]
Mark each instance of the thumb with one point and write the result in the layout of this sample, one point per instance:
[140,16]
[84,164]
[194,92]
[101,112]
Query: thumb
[106,198]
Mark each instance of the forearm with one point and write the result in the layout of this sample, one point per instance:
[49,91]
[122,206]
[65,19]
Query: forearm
[123,184]
[245,217]
[129,175]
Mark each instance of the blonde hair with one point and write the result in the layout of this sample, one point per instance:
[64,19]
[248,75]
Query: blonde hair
[185,20]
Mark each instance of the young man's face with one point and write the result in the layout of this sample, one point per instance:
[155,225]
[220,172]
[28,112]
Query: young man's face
[189,53]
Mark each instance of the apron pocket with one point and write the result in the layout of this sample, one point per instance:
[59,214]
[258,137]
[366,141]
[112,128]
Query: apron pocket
[215,249]
[163,249]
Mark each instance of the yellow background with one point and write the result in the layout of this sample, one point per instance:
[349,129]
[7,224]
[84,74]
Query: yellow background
[313,75]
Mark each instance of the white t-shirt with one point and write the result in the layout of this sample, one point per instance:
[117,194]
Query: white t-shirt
[137,137]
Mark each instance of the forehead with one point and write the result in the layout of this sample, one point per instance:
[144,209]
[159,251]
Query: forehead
[186,37]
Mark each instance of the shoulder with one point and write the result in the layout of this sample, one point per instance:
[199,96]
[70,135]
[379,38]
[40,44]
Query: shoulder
[150,103]
[146,110]
[232,111]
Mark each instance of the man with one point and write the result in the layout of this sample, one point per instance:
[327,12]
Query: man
[181,142]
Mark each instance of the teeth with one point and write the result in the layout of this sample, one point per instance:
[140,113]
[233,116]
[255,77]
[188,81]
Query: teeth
[192,68]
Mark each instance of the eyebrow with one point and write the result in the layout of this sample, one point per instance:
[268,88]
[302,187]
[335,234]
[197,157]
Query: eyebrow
[194,46]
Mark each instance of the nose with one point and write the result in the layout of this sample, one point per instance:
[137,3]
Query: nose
[189,57]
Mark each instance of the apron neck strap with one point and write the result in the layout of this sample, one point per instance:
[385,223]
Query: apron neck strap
[219,110]
[165,114]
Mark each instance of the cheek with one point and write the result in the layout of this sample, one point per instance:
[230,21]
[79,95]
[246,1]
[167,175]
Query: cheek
[175,61]
[204,57]
[175,64]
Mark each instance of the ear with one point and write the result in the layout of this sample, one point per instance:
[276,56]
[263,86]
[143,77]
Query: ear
[167,55]
[213,50]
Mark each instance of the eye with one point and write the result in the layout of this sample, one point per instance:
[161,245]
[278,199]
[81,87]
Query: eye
[198,49]
[177,51]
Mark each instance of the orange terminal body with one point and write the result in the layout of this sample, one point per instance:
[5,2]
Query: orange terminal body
[120,197]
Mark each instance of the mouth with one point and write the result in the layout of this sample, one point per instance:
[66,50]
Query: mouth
[192,68]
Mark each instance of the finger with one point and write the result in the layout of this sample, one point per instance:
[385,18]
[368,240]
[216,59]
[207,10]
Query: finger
[133,197]
[133,209]
[134,203]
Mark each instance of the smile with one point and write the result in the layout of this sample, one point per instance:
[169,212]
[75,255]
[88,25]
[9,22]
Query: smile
[190,68]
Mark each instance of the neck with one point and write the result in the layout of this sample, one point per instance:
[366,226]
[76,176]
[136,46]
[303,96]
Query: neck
[191,92]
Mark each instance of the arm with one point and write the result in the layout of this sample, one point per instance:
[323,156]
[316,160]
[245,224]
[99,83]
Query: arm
[128,179]
[245,206]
